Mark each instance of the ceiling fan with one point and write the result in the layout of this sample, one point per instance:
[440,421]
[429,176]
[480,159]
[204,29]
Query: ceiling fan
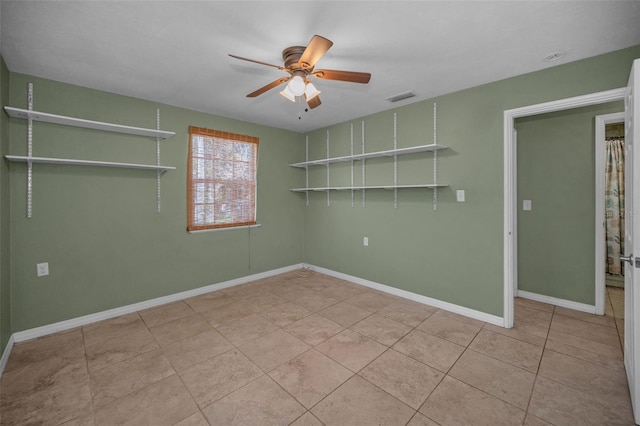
[299,62]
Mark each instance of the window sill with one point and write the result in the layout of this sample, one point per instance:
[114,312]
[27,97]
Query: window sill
[230,228]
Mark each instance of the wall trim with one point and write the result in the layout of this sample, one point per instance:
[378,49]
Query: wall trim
[471,313]
[33,333]
[5,354]
[563,303]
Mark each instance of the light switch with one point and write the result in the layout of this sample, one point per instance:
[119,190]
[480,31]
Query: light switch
[42,269]
[526,205]
[365,241]
[460,195]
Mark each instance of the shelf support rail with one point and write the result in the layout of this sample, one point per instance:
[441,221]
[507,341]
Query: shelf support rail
[395,161]
[328,185]
[352,193]
[158,173]
[306,168]
[29,152]
[364,202]
[435,160]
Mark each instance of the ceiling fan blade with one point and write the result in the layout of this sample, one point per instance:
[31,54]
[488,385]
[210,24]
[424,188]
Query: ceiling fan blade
[314,102]
[316,48]
[259,62]
[350,76]
[269,86]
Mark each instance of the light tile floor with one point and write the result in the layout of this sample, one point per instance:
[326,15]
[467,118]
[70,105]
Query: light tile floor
[307,349]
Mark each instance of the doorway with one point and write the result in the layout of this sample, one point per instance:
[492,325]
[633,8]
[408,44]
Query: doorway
[510,183]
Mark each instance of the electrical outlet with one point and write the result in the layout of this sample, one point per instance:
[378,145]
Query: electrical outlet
[365,241]
[42,269]
[460,195]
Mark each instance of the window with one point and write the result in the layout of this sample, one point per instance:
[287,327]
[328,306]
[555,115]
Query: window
[221,179]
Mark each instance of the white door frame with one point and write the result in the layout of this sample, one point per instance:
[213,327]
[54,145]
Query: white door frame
[510,175]
[601,123]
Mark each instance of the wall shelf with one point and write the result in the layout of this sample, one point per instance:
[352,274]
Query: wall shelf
[68,161]
[378,154]
[45,117]
[363,187]
[360,188]
[30,115]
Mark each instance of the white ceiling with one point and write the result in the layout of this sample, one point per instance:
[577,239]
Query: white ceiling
[175,52]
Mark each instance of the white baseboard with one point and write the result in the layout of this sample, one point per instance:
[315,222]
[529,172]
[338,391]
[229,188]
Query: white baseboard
[576,306]
[5,354]
[471,313]
[33,333]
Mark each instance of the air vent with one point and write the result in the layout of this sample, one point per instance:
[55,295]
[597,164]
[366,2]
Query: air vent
[401,97]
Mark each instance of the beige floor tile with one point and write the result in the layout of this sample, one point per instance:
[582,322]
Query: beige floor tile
[429,349]
[407,312]
[310,377]
[610,386]
[195,349]
[112,351]
[532,420]
[420,419]
[583,316]
[372,301]
[562,405]
[344,314]
[449,329]
[358,402]
[340,291]
[461,318]
[87,419]
[273,349]
[307,419]
[381,329]
[179,329]
[54,405]
[121,379]
[351,349]
[405,378]
[64,345]
[315,302]
[208,301]
[507,349]
[586,344]
[285,313]
[217,377]
[166,402]
[261,402]
[314,329]
[519,301]
[584,355]
[246,329]
[225,314]
[594,332]
[511,384]
[521,332]
[196,419]
[456,403]
[165,313]
[534,316]
[114,328]
[263,302]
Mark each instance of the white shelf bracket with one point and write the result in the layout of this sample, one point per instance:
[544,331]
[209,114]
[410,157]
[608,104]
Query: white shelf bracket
[364,182]
[158,173]
[352,193]
[435,159]
[328,185]
[395,161]
[29,152]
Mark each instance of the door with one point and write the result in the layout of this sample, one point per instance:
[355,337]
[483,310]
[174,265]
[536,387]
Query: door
[632,240]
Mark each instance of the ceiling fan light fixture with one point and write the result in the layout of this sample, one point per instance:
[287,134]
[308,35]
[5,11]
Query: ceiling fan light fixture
[288,94]
[296,85]
[310,91]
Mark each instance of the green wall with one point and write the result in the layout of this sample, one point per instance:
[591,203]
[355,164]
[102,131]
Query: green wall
[556,171]
[454,254]
[98,227]
[5,283]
